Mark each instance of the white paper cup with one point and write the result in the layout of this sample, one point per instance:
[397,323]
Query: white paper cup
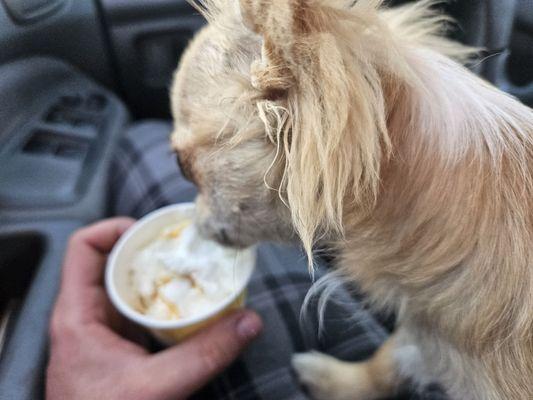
[118,284]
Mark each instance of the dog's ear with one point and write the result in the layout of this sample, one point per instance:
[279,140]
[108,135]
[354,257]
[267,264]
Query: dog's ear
[321,105]
[286,27]
[273,20]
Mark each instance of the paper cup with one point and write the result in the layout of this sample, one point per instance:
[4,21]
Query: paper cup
[118,285]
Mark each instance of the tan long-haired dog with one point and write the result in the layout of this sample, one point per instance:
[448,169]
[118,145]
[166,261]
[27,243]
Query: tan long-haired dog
[356,125]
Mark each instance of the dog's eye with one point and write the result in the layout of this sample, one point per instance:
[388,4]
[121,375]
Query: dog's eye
[184,169]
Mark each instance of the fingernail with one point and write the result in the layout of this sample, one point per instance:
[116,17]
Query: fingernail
[249,326]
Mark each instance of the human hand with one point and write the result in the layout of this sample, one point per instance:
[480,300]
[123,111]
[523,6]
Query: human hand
[90,358]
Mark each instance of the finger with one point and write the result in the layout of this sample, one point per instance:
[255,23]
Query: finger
[181,370]
[83,267]
[87,250]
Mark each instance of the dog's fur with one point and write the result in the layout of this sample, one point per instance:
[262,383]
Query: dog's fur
[357,126]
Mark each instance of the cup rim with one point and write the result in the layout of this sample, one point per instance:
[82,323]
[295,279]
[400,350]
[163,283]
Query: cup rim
[152,323]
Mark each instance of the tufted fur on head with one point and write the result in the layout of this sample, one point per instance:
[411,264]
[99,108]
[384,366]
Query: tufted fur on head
[317,69]
[356,125]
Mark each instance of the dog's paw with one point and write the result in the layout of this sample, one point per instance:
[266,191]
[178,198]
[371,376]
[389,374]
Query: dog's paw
[312,370]
[326,378]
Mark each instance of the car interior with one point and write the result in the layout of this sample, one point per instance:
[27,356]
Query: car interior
[73,76]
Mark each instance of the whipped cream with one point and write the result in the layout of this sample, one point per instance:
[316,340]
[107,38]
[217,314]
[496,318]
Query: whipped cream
[180,274]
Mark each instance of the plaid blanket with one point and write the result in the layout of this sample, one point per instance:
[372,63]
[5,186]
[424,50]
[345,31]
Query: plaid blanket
[145,177]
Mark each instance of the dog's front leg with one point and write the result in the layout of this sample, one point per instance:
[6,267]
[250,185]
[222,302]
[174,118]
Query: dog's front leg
[327,378]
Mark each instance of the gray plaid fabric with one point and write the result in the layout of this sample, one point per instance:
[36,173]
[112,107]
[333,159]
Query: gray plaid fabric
[145,177]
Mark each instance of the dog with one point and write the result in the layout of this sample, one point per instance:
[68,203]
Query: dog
[357,126]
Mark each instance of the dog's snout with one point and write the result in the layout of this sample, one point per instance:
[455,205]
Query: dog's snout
[223,237]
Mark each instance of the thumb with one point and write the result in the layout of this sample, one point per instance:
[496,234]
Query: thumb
[181,370]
